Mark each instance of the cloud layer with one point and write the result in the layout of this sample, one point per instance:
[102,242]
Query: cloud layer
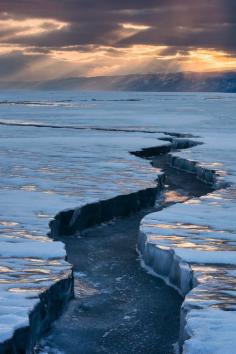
[100,37]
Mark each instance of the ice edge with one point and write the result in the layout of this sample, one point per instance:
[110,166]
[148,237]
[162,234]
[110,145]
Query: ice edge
[52,301]
[67,222]
[164,263]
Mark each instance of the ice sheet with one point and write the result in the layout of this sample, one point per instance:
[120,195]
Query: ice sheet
[61,150]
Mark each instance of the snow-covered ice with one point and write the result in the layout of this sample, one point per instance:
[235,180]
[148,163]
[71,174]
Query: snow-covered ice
[62,150]
[44,170]
[192,246]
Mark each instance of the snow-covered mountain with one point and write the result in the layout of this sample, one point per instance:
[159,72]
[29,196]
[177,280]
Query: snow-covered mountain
[170,82]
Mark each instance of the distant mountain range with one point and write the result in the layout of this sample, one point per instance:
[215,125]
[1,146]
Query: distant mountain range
[171,82]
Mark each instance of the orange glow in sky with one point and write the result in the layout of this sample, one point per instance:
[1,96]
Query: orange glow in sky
[46,47]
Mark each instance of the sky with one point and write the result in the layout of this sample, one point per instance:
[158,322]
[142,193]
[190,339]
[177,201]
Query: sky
[48,39]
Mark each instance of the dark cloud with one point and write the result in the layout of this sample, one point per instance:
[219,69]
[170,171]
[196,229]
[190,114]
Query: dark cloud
[74,34]
[215,37]
[91,26]
[181,23]
[15,62]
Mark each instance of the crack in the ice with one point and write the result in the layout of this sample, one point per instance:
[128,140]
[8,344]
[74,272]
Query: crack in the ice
[73,127]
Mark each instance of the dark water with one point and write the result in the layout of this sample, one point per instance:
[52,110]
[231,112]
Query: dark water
[118,307]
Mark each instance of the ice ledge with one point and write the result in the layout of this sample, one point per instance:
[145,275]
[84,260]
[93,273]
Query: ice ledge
[192,246]
[38,282]
[72,221]
[36,286]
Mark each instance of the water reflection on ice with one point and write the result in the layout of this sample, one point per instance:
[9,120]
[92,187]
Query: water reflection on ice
[202,232]
[43,171]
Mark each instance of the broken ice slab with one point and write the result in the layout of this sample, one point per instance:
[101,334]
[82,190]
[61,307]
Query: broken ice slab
[35,284]
[193,247]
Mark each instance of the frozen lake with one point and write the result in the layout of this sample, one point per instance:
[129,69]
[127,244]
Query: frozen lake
[61,150]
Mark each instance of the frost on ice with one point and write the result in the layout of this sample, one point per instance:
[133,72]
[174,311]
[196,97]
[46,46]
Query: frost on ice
[192,246]
[54,155]
[43,171]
